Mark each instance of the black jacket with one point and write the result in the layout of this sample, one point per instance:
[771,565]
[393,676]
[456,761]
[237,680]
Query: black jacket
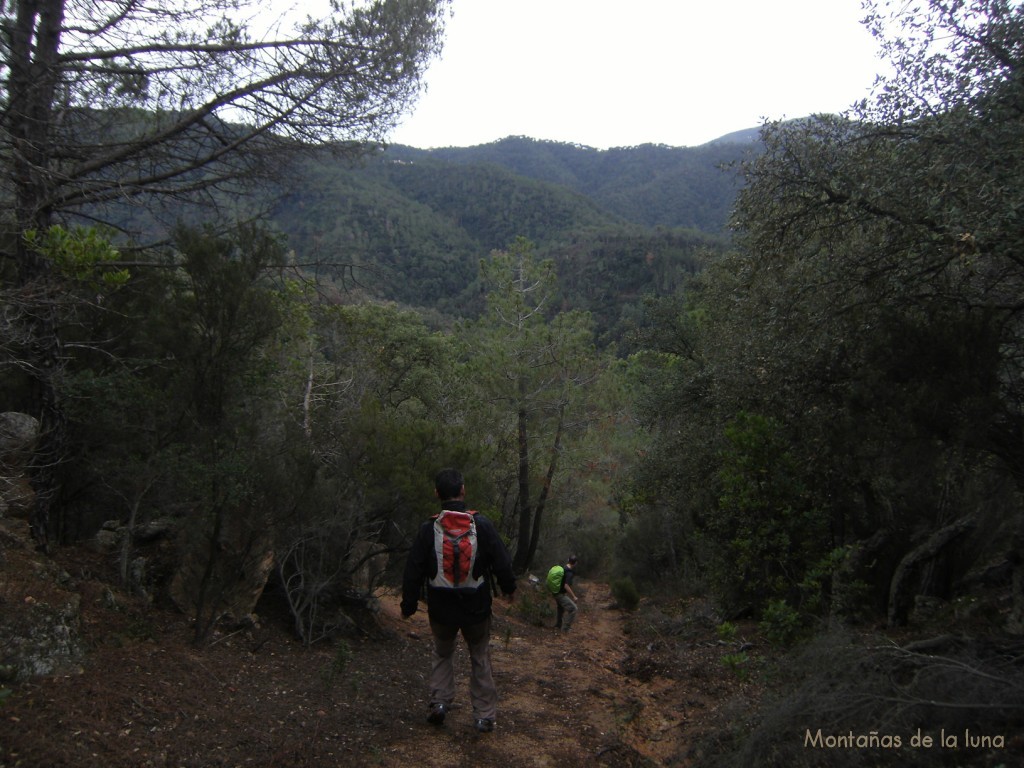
[567,578]
[448,606]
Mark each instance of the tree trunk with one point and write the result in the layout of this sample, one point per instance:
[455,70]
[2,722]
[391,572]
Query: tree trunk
[34,43]
[903,581]
[31,84]
[521,559]
[538,513]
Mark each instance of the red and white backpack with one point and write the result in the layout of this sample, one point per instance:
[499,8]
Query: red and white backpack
[455,545]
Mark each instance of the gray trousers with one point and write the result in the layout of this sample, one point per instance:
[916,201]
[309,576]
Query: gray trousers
[566,611]
[482,692]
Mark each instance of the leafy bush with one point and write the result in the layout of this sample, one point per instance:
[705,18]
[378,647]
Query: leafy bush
[726,631]
[339,664]
[737,664]
[655,550]
[842,683]
[625,593]
[765,533]
[781,623]
[534,606]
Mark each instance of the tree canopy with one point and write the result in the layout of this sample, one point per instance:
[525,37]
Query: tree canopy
[107,103]
[868,322]
[147,108]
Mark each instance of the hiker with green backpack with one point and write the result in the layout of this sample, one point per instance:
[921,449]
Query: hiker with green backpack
[559,584]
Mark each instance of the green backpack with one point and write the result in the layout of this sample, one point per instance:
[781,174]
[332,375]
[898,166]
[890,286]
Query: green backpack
[555,577]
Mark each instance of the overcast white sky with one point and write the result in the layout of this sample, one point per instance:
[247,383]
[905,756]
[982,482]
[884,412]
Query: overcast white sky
[607,73]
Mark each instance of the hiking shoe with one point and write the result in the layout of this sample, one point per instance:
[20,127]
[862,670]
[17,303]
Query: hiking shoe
[484,724]
[437,713]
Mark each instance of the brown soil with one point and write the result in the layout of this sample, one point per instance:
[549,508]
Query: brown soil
[610,693]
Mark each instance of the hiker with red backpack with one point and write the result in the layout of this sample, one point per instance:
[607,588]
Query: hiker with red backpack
[455,553]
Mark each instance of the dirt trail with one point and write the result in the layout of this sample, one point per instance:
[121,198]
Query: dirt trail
[143,697]
[565,700]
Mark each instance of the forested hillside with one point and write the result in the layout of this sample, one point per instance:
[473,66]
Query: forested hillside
[411,225]
[652,185]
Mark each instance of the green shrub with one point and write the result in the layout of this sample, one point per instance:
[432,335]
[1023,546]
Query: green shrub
[655,550]
[781,623]
[727,631]
[339,664]
[737,664]
[534,606]
[765,531]
[625,593]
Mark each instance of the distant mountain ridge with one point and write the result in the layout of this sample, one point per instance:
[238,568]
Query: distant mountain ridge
[652,185]
[411,225]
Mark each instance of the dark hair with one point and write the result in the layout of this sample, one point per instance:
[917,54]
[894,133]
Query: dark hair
[448,483]
[572,559]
